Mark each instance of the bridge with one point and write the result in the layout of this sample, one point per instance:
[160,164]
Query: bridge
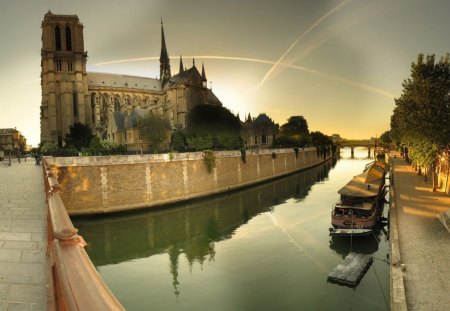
[353,143]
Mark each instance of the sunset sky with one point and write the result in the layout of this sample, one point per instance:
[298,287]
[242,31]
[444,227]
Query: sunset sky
[340,64]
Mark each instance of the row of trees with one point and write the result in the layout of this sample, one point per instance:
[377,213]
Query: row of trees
[209,127]
[421,120]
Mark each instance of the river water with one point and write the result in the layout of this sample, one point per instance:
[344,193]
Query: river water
[263,248]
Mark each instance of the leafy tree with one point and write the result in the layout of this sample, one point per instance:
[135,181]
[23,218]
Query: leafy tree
[95,146]
[213,127]
[422,112]
[295,132]
[385,138]
[48,147]
[200,142]
[155,129]
[79,136]
[178,141]
[320,139]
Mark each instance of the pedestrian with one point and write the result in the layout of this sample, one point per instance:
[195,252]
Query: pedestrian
[37,158]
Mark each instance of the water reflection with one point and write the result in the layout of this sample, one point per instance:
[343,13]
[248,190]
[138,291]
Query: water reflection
[191,229]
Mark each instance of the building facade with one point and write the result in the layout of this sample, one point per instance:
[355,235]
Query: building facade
[260,131]
[110,104]
[11,139]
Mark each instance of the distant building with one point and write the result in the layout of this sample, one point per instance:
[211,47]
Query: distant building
[260,131]
[12,139]
[110,104]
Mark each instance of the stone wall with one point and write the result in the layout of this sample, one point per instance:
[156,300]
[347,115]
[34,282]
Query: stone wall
[105,184]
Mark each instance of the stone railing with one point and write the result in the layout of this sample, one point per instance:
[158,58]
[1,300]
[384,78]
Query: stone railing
[75,283]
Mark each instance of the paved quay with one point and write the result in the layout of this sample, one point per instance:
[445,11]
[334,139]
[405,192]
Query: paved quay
[23,236]
[424,242]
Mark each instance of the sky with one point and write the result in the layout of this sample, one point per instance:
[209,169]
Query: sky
[338,63]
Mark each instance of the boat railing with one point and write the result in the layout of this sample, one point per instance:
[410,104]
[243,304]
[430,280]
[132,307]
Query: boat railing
[74,282]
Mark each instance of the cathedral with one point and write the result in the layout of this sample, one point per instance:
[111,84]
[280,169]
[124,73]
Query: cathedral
[110,104]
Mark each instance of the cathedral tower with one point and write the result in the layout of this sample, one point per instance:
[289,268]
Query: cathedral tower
[65,98]
[164,61]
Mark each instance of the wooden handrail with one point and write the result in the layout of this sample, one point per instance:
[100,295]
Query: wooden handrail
[76,284]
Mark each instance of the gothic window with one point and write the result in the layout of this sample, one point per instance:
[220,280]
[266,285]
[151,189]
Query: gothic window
[93,107]
[116,104]
[57,39]
[75,104]
[69,65]
[68,39]
[263,139]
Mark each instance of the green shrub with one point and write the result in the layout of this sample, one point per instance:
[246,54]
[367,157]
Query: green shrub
[210,160]
[244,155]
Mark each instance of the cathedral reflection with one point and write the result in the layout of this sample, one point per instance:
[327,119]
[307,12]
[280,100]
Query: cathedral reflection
[189,229]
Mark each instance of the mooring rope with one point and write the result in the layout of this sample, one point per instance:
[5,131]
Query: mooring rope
[381,288]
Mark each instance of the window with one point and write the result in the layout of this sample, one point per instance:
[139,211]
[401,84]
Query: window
[68,39]
[75,104]
[57,39]
[116,104]
[93,107]
[69,65]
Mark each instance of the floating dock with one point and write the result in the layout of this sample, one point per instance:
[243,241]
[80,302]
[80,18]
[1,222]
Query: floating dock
[351,271]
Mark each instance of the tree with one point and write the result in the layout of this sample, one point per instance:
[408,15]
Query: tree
[295,132]
[79,136]
[155,129]
[385,138]
[422,112]
[212,127]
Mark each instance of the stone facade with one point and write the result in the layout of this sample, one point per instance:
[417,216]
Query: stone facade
[109,103]
[12,139]
[91,185]
[260,131]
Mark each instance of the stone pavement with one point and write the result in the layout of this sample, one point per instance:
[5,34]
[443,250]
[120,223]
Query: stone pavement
[424,242]
[23,236]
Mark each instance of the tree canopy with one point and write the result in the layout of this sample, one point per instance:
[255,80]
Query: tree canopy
[155,129]
[295,132]
[421,115]
[423,109]
[79,136]
[212,127]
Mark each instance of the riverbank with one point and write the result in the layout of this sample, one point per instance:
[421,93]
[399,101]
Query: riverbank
[420,244]
[108,184]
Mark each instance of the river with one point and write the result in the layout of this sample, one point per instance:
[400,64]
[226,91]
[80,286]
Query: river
[262,248]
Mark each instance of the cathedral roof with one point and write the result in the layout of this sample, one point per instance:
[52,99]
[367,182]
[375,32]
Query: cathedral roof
[212,99]
[109,80]
[191,75]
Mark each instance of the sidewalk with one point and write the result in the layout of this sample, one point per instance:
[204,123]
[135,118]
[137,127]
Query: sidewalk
[23,237]
[424,242]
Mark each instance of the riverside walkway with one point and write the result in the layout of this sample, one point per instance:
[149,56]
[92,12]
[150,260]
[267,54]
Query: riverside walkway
[423,241]
[23,237]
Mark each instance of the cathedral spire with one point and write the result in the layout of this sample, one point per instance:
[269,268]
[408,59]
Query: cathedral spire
[204,81]
[181,64]
[203,73]
[164,61]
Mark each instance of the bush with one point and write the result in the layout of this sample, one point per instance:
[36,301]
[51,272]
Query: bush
[210,160]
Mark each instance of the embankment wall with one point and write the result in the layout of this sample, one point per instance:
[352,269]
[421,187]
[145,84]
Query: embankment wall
[105,184]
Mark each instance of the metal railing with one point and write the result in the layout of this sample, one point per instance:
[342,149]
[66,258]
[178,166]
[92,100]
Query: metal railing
[75,283]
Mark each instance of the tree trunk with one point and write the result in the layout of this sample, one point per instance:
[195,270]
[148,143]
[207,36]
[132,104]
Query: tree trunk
[434,176]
